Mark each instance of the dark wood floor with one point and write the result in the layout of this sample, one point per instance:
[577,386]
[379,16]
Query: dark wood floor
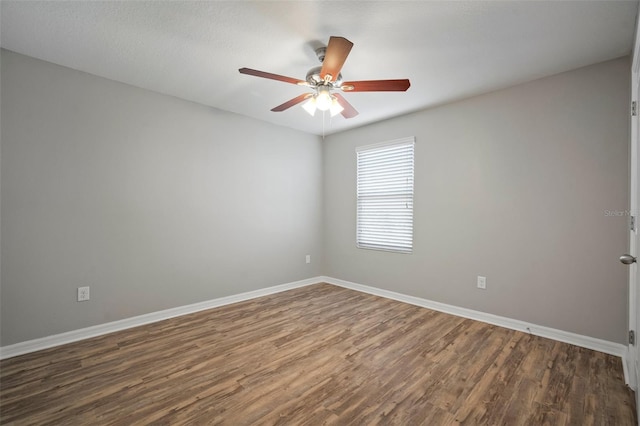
[316,355]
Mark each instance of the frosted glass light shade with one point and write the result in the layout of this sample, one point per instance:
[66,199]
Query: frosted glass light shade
[310,106]
[336,108]
[323,98]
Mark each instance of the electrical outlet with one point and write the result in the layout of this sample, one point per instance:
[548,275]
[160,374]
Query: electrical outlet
[83,294]
[482,282]
[308,258]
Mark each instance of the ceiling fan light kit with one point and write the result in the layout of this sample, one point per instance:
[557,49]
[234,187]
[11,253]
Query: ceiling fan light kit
[318,102]
[326,78]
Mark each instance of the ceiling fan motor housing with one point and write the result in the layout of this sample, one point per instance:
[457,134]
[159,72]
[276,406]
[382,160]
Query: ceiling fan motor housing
[314,79]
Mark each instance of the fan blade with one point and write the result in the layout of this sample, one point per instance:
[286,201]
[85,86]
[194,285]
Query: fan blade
[337,52]
[349,111]
[271,76]
[291,102]
[376,86]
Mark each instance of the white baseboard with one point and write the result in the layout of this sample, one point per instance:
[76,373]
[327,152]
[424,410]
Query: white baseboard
[599,345]
[629,378]
[612,348]
[110,327]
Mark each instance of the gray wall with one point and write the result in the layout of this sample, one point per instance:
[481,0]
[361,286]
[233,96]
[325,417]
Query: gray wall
[156,202]
[152,201]
[512,185]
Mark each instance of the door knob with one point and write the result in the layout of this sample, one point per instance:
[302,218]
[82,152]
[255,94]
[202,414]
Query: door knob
[627,259]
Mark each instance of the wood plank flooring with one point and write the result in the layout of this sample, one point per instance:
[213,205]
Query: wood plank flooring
[311,356]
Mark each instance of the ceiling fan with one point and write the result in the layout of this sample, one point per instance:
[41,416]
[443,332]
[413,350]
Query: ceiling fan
[326,79]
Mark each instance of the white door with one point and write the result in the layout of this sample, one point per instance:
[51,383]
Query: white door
[633,367]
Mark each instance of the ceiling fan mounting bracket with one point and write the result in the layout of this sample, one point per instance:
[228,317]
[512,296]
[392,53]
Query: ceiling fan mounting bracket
[320,53]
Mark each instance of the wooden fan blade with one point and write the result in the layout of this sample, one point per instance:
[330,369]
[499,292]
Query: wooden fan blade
[349,111]
[376,86]
[271,76]
[291,102]
[337,52]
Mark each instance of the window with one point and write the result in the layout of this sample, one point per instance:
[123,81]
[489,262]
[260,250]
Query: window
[385,196]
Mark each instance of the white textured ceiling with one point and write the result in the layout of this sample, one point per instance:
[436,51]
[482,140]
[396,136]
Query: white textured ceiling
[192,50]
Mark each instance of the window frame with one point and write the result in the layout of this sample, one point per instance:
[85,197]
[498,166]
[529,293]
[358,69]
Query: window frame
[388,197]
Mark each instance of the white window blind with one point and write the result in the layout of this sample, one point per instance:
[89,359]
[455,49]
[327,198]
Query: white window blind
[385,196]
